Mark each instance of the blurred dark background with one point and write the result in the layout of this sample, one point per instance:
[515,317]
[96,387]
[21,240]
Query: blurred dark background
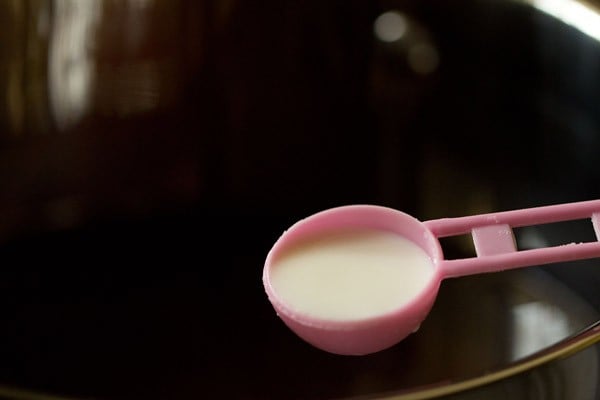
[152,151]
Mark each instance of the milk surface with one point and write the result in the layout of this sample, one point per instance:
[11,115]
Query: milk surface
[350,274]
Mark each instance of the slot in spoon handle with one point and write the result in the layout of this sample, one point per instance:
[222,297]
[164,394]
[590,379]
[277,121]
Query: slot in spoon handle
[494,240]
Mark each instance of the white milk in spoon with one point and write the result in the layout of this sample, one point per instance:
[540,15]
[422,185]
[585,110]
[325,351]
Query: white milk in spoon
[350,274]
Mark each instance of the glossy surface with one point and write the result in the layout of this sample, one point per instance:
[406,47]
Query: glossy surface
[350,274]
[110,331]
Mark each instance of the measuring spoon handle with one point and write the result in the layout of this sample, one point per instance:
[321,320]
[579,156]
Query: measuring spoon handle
[495,244]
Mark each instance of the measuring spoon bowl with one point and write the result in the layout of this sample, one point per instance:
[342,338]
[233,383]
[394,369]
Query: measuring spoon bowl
[368,334]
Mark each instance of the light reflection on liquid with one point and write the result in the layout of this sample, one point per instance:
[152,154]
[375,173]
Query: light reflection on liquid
[390,26]
[71,70]
[423,58]
[537,325]
[578,14]
[405,37]
[98,60]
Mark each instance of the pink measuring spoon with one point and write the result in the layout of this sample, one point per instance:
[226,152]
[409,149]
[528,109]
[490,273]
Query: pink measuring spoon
[494,245]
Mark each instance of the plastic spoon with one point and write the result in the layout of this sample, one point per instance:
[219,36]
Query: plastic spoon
[494,245]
